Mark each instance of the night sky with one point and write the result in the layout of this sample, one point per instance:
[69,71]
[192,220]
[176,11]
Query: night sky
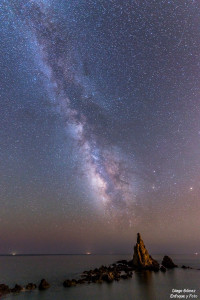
[99,125]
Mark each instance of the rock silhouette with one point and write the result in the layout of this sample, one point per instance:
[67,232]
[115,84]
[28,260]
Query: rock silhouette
[163,269]
[4,289]
[44,285]
[141,257]
[17,289]
[69,283]
[184,267]
[31,286]
[168,263]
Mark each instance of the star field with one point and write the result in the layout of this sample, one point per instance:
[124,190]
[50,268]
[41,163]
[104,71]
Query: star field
[100,130]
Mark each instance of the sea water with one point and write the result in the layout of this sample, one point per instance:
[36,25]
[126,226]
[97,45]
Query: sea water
[56,268]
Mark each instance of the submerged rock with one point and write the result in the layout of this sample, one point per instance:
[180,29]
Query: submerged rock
[17,289]
[107,274]
[124,276]
[108,277]
[69,283]
[163,269]
[123,262]
[141,257]
[184,267]
[31,286]
[44,285]
[80,281]
[168,263]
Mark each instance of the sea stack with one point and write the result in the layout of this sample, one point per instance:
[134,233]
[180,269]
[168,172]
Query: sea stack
[141,257]
[168,263]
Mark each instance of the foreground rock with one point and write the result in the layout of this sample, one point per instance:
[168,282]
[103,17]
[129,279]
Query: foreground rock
[44,285]
[141,257]
[168,263]
[103,274]
[4,289]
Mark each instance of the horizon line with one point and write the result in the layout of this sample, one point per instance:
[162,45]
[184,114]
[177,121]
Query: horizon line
[85,254]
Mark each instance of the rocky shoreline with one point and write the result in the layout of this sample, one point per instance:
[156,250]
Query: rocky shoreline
[119,270]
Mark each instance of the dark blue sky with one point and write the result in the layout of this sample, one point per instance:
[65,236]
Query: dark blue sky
[100,125]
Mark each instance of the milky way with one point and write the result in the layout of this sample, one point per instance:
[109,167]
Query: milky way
[100,121]
[106,169]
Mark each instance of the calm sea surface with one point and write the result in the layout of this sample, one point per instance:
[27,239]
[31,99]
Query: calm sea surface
[143,286]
